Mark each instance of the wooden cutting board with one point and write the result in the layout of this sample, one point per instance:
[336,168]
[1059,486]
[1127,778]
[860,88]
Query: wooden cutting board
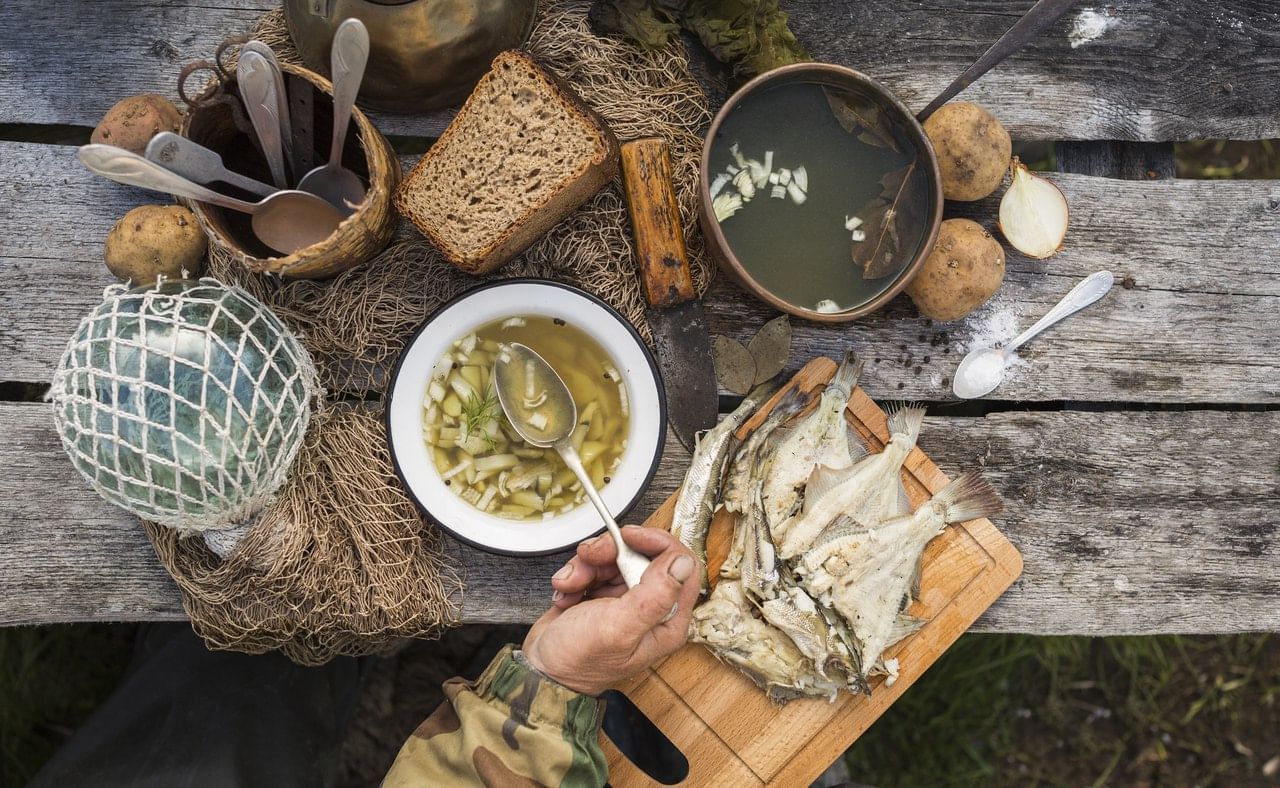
[731,734]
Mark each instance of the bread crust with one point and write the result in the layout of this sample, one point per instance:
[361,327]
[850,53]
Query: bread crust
[522,231]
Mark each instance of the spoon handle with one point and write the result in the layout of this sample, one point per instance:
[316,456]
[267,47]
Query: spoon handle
[126,167]
[282,97]
[258,90]
[1093,287]
[630,563]
[196,162]
[348,57]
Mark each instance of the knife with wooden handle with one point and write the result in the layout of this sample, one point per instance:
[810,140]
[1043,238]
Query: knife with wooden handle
[675,315]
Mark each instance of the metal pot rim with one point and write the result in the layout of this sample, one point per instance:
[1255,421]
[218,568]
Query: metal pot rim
[715,236]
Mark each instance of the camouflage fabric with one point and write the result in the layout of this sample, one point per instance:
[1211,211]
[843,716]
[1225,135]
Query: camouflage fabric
[512,727]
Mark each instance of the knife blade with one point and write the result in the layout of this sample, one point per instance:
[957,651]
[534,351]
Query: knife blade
[675,315]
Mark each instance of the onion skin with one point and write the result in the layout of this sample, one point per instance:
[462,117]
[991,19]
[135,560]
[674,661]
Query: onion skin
[1033,213]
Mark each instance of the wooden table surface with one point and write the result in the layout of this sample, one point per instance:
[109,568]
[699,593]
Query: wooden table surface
[1138,448]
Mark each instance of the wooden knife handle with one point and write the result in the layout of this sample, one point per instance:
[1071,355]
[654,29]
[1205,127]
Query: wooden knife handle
[655,223]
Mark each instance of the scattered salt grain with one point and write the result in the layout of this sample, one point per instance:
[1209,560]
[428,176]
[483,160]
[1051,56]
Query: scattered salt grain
[1088,27]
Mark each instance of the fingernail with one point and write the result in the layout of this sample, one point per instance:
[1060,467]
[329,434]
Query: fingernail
[632,527]
[565,572]
[557,596]
[681,568]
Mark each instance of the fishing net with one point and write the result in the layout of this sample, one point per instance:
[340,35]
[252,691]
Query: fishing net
[342,562]
[184,403]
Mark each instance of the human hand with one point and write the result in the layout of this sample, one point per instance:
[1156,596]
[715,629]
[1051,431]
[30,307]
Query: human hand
[598,631]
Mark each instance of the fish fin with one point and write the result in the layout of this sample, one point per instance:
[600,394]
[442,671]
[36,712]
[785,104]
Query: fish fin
[905,420]
[821,481]
[904,502]
[903,626]
[968,497]
[847,375]
[839,528]
[915,578]
[857,449]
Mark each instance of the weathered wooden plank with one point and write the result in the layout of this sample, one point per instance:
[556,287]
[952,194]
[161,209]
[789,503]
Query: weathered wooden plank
[1147,70]
[1155,70]
[1194,321]
[1129,522]
[1131,161]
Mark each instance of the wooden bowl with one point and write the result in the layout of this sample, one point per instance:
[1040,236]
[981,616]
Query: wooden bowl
[362,235]
[718,245]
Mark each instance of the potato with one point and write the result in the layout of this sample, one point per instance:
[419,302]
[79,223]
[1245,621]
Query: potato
[132,122]
[153,241]
[973,150]
[964,269]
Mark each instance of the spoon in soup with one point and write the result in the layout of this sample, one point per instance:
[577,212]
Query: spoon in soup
[540,408]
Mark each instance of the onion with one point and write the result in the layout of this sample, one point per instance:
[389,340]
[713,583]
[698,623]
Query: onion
[1033,213]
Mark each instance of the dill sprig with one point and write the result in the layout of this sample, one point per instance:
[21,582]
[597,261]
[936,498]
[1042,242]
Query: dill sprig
[477,413]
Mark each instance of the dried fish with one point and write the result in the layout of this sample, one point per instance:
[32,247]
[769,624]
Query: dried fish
[771,347]
[866,492]
[697,500]
[821,439]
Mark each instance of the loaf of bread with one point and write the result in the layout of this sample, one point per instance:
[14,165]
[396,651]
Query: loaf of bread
[522,154]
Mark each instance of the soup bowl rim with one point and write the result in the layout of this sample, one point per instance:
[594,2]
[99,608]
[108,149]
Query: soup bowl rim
[719,245]
[646,428]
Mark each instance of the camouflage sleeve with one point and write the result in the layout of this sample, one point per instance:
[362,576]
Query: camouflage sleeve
[513,726]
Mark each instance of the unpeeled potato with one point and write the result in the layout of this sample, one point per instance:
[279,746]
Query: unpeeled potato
[964,269]
[152,241]
[132,122]
[973,150]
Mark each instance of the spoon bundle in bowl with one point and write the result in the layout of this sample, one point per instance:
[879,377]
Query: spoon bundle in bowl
[285,219]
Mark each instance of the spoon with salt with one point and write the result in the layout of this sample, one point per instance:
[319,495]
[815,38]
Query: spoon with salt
[983,369]
[540,408]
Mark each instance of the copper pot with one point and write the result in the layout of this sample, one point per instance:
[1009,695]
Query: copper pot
[838,76]
[423,54]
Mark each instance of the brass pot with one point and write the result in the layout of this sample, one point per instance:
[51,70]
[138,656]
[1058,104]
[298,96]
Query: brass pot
[718,245]
[423,54]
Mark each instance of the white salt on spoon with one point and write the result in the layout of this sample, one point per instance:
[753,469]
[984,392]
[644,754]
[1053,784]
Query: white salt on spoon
[983,369]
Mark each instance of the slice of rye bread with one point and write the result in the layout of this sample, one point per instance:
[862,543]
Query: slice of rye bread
[522,154]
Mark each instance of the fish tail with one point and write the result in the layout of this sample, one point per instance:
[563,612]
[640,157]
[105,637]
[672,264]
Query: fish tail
[847,375]
[969,497]
[906,420]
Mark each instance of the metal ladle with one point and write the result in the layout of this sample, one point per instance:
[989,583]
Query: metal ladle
[983,369]
[335,183]
[262,105]
[286,221]
[523,377]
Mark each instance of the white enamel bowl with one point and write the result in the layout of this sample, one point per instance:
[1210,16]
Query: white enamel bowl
[646,429]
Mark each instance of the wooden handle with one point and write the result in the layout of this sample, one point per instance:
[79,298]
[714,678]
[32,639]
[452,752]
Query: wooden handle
[655,223]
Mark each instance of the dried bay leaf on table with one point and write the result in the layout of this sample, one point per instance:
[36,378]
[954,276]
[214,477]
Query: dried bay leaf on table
[860,116]
[887,226]
[771,348]
[735,368]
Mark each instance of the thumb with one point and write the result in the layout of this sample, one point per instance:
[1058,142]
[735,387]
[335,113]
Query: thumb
[646,605]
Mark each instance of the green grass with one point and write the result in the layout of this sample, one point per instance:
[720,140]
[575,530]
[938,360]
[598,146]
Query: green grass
[1069,711]
[51,679]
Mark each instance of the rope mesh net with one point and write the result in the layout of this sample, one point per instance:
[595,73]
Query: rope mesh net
[342,562]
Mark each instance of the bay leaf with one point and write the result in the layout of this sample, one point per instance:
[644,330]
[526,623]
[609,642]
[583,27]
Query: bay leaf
[735,368]
[771,348]
[862,117]
[886,225]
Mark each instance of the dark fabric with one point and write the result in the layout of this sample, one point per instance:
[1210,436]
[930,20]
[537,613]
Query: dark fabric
[186,717]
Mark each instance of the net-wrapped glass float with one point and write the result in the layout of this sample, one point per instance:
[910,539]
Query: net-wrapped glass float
[183,403]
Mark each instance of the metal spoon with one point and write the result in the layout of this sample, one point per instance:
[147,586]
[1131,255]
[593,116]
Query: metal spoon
[523,377]
[258,91]
[196,162]
[982,370]
[332,181]
[282,97]
[286,221]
